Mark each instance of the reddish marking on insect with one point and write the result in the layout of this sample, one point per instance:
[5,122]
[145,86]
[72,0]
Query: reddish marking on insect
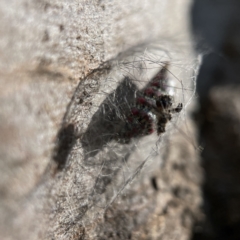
[150,130]
[150,92]
[152,109]
[144,116]
[135,111]
[130,119]
[156,84]
[142,100]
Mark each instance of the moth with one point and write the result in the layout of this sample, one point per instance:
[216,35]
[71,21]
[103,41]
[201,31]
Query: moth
[153,108]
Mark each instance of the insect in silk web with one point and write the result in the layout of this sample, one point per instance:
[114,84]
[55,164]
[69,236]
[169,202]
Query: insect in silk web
[152,108]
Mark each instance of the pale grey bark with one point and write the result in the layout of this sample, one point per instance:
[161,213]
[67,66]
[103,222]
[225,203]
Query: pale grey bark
[60,176]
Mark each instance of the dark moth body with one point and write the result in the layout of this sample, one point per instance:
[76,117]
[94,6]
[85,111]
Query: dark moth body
[152,109]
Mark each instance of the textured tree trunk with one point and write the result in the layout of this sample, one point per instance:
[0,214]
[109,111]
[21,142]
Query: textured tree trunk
[65,68]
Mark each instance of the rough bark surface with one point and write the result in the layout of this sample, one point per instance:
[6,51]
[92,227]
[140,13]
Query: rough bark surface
[60,176]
